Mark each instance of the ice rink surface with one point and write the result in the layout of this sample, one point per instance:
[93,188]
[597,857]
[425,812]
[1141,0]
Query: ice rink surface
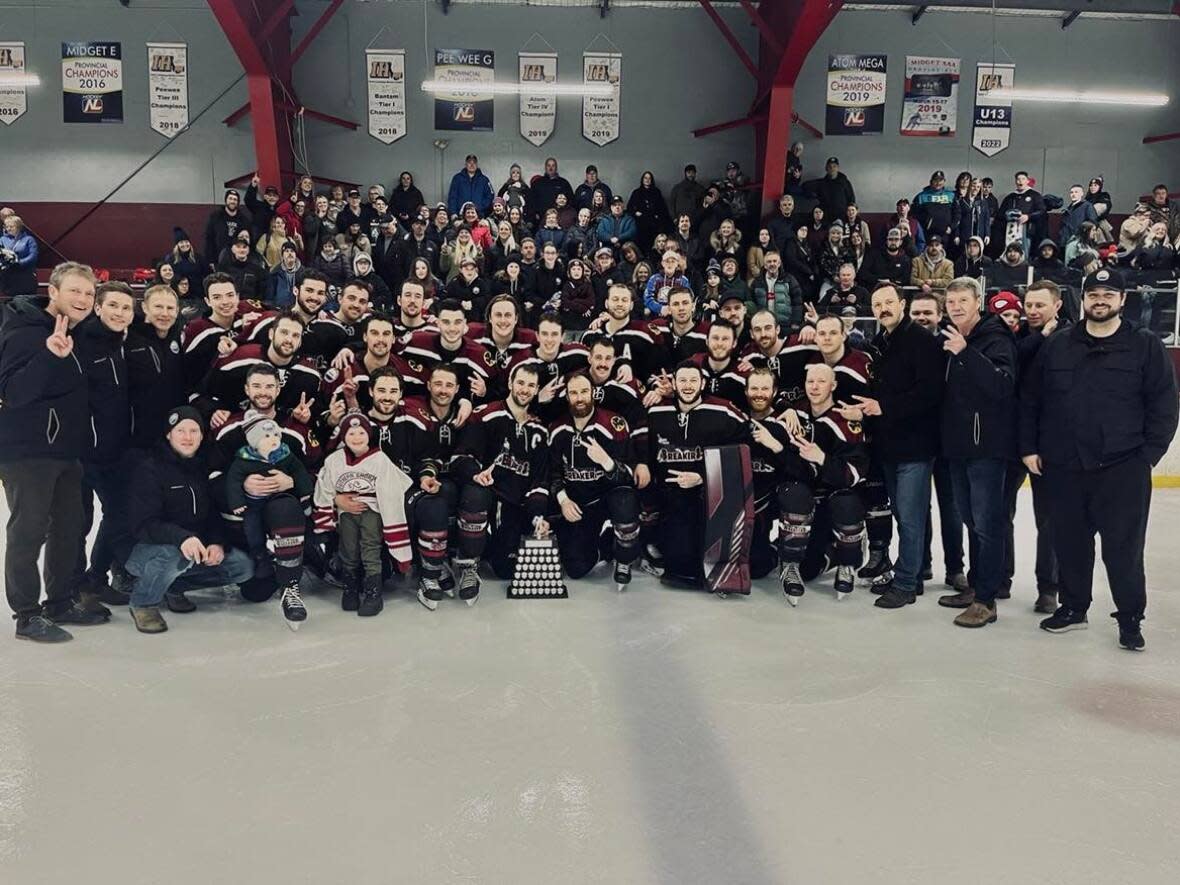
[654,736]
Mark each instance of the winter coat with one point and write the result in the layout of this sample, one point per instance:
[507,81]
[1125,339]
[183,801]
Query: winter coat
[970,218]
[907,381]
[580,242]
[251,277]
[20,277]
[404,203]
[650,212]
[192,267]
[103,359]
[800,261]
[545,191]
[1072,218]
[315,231]
[973,267]
[685,198]
[833,194]
[577,304]
[249,463]
[466,188]
[335,268]
[979,403]
[830,261]
[880,265]
[584,195]
[787,300]
[554,235]
[44,410]
[1007,276]
[938,275]
[270,249]
[170,500]
[155,376]
[932,208]
[1091,402]
[614,232]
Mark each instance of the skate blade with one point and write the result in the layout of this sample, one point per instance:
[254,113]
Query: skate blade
[294,625]
[450,593]
[431,604]
[841,596]
[793,600]
[472,600]
[619,588]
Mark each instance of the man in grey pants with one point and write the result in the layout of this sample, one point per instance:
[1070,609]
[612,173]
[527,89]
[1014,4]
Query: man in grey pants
[44,431]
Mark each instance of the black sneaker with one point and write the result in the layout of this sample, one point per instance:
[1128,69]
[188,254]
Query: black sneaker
[877,565]
[106,592]
[1064,620]
[179,603]
[371,602]
[38,628]
[1130,636]
[895,598]
[76,615]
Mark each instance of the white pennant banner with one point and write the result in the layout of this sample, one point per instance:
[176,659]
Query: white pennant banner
[167,87]
[13,83]
[538,111]
[600,114]
[387,93]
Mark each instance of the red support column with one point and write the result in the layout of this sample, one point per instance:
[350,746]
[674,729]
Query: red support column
[802,22]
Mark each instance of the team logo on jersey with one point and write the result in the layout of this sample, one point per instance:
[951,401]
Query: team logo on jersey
[618,424]
[854,426]
[417,367]
[174,347]
[489,358]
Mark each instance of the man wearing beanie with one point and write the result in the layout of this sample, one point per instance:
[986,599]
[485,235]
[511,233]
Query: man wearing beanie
[178,532]
[1097,412]
[224,224]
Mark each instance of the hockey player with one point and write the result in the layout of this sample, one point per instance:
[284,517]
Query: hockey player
[327,336]
[719,365]
[501,459]
[786,359]
[591,481]
[206,338]
[311,294]
[348,389]
[450,346]
[634,340]
[299,380]
[768,462]
[678,434]
[681,336]
[555,361]
[502,336]
[818,503]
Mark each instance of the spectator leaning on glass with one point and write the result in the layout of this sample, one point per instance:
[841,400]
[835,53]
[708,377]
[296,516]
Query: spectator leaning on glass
[1098,411]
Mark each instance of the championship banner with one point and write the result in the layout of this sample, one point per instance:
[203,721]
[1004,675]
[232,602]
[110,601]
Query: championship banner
[387,93]
[92,82]
[600,113]
[931,103]
[991,126]
[856,95]
[13,86]
[538,112]
[168,87]
[466,106]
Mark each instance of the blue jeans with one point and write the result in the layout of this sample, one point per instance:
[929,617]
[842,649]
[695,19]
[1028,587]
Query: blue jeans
[979,494]
[908,483]
[162,567]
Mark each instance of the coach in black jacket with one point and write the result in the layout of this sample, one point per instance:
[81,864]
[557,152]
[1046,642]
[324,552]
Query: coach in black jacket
[1099,409]
[978,439]
[903,408]
[44,433]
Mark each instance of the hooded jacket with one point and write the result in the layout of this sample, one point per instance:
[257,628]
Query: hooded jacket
[44,410]
[221,229]
[170,500]
[979,405]
[251,278]
[1051,265]
[933,209]
[101,352]
[965,266]
[404,203]
[280,285]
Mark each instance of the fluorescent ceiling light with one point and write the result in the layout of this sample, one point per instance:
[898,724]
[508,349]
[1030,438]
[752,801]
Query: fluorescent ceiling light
[1141,99]
[596,90]
[19,80]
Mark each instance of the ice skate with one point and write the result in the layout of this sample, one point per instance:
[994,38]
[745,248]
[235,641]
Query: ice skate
[430,592]
[845,576]
[792,582]
[446,581]
[652,561]
[877,565]
[622,575]
[469,584]
[292,604]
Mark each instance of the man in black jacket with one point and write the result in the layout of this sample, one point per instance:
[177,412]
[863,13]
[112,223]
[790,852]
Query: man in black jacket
[978,439]
[904,407]
[834,191]
[224,224]
[100,342]
[44,433]
[178,531]
[1098,411]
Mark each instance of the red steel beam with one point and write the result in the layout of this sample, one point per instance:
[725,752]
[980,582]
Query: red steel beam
[1152,139]
[280,15]
[763,27]
[314,30]
[318,115]
[810,21]
[730,38]
[266,140]
[729,124]
[294,176]
[795,118]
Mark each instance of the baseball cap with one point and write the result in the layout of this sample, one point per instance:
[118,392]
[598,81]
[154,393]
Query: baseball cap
[732,164]
[832,161]
[617,199]
[605,250]
[466,260]
[1003,301]
[353,192]
[1106,278]
[731,295]
[418,219]
[270,189]
[938,173]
